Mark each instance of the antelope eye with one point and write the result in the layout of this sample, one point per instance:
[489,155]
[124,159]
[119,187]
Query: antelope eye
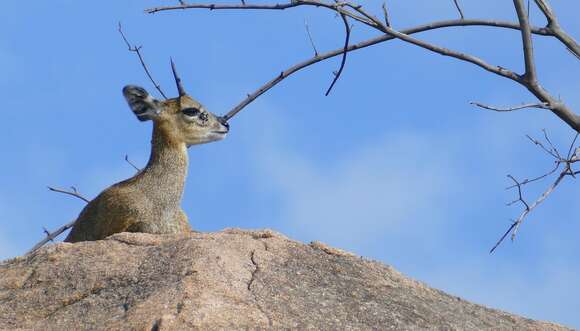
[191,111]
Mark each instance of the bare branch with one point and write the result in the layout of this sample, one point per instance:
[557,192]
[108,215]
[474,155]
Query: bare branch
[517,223]
[296,3]
[503,237]
[528,181]
[569,155]
[566,171]
[451,53]
[530,75]
[131,163]
[73,193]
[386,15]
[137,50]
[520,196]
[547,10]
[553,148]
[536,203]
[278,6]
[373,21]
[46,232]
[528,8]
[310,38]
[459,9]
[345,51]
[539,144]
[370,42]
[51,236]
[376,23]
[554,27]
[542,105]
[528,80]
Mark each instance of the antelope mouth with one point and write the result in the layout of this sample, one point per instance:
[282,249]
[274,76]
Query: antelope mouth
[217,135]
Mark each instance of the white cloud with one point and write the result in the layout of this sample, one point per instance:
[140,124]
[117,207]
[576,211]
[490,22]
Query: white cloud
[394,184]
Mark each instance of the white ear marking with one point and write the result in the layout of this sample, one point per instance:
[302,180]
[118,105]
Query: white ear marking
[143,105]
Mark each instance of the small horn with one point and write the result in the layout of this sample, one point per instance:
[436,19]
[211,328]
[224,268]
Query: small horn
[180,88]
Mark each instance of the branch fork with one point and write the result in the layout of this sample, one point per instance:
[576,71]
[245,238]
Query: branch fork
[559,160]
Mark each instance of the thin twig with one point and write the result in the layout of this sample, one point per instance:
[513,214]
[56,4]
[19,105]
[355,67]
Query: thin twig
[542,105]
[310,38]
[51,236]
[131,163]
[345,51]
[277,6]
[520,195]
[73,193]
[536,203]
[528,8]
[137,50]
[539,144]
[47,233]
[553,148]
[517,223]
[503,237]
[547,10]
[528,181]
[359,8]
[555,29]
[566,171]
[211,6]
[459,9]
[386,15]
[569,155]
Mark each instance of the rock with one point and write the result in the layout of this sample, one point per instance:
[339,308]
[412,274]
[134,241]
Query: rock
[230,280]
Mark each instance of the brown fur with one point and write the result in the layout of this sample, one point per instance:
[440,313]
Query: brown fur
[150,201]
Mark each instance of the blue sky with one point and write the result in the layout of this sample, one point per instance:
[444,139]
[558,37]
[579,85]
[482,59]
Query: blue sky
[394,165]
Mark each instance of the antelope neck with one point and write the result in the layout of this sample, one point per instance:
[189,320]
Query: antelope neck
[163,178]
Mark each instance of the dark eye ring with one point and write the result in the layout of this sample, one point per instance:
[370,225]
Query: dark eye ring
[191,111]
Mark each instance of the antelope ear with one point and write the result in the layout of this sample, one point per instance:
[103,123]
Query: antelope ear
[141,102]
